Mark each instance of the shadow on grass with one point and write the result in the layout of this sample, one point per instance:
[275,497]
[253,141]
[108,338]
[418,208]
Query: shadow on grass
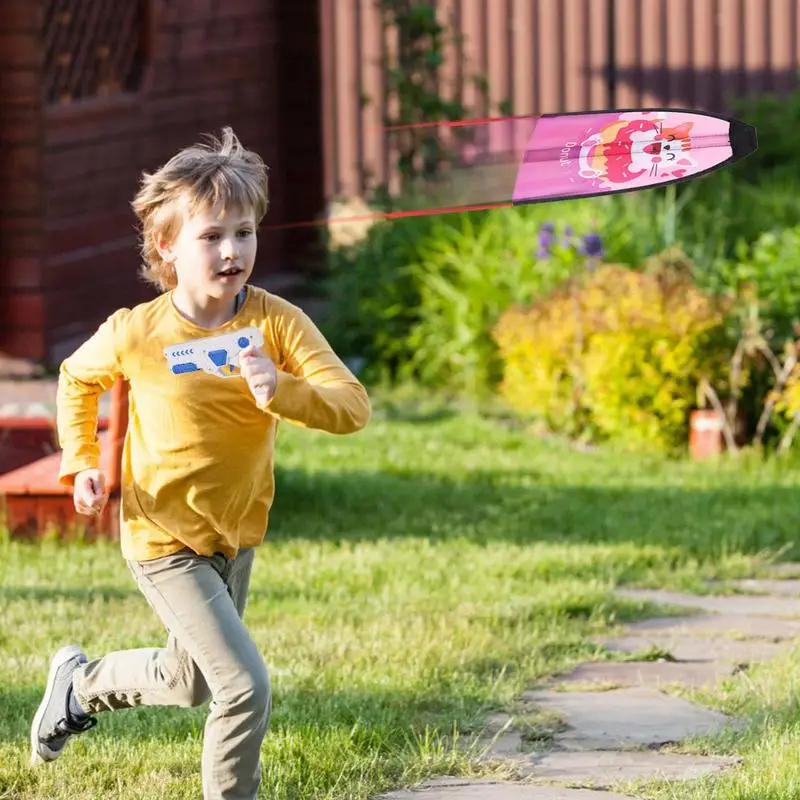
[523,508]
[42,593]
[390,712]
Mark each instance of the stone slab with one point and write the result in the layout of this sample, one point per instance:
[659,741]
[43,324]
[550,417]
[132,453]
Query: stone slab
[783,588]
[727,604]
[738,625]
[501,740]
[626,718]
[653,674]
[457,789]
[605,768]
[698,648]
[786,569]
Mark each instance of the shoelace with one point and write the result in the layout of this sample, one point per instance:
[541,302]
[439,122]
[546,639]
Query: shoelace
[67,727]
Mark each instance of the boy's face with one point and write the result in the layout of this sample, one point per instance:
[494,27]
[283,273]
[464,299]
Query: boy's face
[214,251]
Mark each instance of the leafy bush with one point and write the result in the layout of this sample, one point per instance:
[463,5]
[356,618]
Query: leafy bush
[372,298]
[467,277]
[734,206]
[787,404]
[418,296]
[615,354]
[776,118]
[769,269]
[722,213]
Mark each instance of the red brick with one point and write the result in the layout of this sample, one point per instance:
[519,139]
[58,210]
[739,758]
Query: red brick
[195,10]
[20,272]
[22,240]
[21,307]
[25,198]
[101,261]
[103,193]
[20,85]
[220,70]
[23,163]
[18,125]
[173,13]
[21,16]
[20,50]
[165,43]
[227,37]
[97,120]
[237,8]
[23,342]
[63,236]
[81,160]
[193,40]
[82,308]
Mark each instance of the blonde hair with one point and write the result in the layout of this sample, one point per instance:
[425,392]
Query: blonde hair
[197,177]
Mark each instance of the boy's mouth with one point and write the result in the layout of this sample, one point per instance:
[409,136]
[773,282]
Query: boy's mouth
[230,271]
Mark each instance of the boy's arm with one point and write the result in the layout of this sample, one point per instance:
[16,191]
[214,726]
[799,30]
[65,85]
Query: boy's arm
[315,389]
[83,377]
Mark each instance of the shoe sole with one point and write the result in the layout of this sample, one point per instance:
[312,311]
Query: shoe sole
[59,659]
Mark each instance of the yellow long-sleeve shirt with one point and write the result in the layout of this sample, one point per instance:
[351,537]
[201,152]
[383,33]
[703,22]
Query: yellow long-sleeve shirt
[197,464]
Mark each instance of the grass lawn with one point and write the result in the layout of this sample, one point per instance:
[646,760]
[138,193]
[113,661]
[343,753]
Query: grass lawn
[416,578]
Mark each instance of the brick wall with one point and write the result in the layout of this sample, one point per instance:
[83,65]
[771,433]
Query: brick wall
[208,63]
[21,294]
[299,115]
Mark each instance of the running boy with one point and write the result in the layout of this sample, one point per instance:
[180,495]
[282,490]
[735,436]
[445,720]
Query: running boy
[197,469]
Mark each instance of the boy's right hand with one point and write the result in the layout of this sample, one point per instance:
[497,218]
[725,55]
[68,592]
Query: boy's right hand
[89,492]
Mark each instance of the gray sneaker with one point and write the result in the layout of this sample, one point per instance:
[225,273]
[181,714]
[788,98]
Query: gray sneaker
[53,724]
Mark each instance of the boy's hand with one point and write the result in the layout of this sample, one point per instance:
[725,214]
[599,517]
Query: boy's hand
[89,492]
[260,374]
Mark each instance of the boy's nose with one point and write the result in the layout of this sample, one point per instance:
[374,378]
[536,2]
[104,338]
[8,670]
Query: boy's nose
[228,250]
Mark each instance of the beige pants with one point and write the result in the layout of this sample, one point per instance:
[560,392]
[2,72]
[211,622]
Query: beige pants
[209,653]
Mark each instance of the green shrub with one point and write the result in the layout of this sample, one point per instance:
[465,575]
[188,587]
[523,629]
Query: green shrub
[372,298]
[418,296]
[616,354]
[734,206]
[770,270]
[467,276]
[776,119]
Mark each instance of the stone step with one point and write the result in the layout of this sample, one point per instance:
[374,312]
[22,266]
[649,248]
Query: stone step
[461,789]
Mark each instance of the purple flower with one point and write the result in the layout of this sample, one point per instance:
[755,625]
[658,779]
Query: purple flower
[546,236]
[592,245]
[568,236]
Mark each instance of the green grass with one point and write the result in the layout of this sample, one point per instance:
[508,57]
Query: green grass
[416,578]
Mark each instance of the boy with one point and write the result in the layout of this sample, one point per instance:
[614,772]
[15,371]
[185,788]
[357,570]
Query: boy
[197,466]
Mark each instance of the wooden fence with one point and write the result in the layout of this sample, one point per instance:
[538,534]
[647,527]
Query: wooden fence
[544,56]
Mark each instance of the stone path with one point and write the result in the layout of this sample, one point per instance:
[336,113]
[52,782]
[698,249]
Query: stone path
[578,736]
[36,398]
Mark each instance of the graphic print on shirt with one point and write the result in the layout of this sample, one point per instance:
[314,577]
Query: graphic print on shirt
[215,355]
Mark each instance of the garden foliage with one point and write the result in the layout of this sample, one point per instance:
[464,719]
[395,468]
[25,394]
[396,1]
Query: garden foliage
[504,300]
[616,353]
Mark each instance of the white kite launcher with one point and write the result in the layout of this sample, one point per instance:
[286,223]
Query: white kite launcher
[214,355]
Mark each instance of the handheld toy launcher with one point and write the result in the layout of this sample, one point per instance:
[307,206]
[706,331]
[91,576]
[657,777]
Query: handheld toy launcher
[214,355]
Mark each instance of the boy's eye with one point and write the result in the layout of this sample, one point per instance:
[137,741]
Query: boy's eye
[211,237]
[245,233]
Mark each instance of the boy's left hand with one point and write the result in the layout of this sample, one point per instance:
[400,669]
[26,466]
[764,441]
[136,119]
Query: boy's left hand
[260,373]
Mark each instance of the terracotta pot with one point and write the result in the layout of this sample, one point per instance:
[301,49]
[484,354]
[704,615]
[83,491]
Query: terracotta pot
[705,434]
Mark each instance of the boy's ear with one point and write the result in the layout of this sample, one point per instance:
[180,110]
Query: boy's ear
[163,246]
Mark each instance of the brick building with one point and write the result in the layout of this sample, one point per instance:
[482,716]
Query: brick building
[94,91]
[92,95]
